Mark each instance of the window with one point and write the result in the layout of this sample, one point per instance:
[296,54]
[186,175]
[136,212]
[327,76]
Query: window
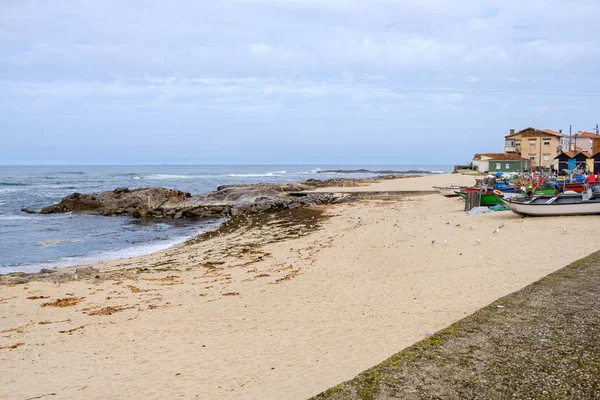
[498,166]
[507,166]
[532,142]
[532,157]
[546,158]
[546,143]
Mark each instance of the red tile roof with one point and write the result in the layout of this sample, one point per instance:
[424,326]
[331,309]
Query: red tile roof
[544,131]
[569,154]
[500,157]
[550,131]
[586,134]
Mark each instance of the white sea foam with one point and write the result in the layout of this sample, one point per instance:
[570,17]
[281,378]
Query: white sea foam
[14,217]
[167,176]
[270,173]
[54,242]
[252,175]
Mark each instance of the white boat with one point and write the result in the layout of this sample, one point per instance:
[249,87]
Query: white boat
[565,204]
[448,191]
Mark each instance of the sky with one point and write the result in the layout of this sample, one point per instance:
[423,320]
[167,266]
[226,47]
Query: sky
[290,81]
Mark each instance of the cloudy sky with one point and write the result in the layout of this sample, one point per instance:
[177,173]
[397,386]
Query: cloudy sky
[289,81]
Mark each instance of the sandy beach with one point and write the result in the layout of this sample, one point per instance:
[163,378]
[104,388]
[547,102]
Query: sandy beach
[276,311]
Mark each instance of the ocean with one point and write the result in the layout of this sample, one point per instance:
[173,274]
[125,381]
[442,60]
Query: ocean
[29,243]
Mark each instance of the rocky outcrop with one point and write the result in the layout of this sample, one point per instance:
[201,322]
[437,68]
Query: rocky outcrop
[121,201]
[225,201]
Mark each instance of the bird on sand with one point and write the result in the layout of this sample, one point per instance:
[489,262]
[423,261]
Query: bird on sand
[449,222]
[433,241]
[496,230]
[501,225]
[470,227]
[458,225]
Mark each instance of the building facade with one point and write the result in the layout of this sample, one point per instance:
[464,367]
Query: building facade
[503,162]
[538,146]
[586,141]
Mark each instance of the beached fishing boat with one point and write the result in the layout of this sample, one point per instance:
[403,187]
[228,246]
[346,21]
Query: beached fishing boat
[565,204]
[448,191]
[486,199]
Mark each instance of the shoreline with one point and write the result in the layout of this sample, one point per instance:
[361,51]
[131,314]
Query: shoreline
[94,257]
[201,207]
[278,305]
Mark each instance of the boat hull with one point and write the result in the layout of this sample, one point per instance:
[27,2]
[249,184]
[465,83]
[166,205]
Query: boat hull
[486,199]
[545,210]
[447,191]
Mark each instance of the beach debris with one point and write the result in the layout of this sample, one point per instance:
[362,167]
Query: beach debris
[458,225]
[479,210]
[501,225]
[106,310]
[70,331]
[565,229]
[86,271]
[433,241]
[545,340]
[445,241]
[428,335]
[66,302]
[37,297]
[13,346]
[499,306]
[478,241]
[471,227]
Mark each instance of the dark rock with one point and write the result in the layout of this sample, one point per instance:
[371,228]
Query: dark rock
[28,210]
[136,202]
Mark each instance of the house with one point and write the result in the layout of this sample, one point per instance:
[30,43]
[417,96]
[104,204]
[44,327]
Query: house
[504,162]
[570,160]
[587,141]
[566,160]
[539,146]
[596,162]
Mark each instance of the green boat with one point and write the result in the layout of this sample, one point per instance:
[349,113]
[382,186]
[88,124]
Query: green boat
[487,200]
[545,191]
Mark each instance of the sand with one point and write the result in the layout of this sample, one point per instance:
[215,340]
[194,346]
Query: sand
[287,319]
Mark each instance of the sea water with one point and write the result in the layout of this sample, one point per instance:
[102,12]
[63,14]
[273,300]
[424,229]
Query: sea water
[29,243]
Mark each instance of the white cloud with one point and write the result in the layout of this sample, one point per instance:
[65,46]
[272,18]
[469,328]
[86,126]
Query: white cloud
[260,48]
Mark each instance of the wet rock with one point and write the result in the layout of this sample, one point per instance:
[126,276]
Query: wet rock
[137,202]
[224,202]
[28,210]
